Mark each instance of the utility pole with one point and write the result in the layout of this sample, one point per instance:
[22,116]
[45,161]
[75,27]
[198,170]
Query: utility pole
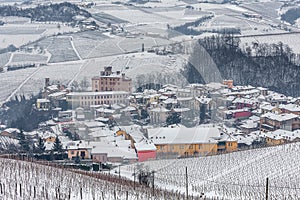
[267,189]
[186,182]
[119,171]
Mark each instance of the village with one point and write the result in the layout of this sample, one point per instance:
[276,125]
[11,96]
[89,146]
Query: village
[111,124]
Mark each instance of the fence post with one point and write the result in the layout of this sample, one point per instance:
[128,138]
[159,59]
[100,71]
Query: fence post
[186,183]
[267,188]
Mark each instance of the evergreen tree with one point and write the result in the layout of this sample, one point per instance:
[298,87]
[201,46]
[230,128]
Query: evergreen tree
[202,113]
[173,118]
[57,145]
[41,146]
[23,141]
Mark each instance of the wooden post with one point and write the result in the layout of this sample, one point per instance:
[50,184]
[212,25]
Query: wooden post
[69,193]
[186,183]
[20,189]
[134,179]
[81,193]
[153,182]
[267,188]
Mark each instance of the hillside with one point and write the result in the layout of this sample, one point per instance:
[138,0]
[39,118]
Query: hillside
[239,175]
[63,12]
[267,65]
[36,181]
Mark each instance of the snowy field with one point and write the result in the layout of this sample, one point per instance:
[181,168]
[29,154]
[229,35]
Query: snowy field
[293,40]
[4,58]
[240,175]
[19,31]
[23,180]
[31,80]
[28,58]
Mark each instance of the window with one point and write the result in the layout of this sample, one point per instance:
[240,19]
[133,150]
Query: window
[181,147]
[72,152]
[200,146]
[191,147]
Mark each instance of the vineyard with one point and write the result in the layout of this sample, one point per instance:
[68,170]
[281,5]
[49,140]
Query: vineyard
[239,175]
[27,180]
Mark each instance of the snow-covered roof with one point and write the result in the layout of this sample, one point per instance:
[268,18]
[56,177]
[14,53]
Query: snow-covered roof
[92,124]
[249,124]
[57,94]
[43,101]
[159,110]
[128,109]
[104,110]
[236,111]
[181,109]
[183,135]
[290,107]
[279,117]
[144,145]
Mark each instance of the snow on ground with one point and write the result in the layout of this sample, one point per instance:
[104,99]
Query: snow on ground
[24,180]
[31,80]
[293,40]
[239,175]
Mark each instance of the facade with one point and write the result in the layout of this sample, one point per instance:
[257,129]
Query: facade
[285,121]
[111,81]
[183,142]
[43,104]
[86,99]
[145,150]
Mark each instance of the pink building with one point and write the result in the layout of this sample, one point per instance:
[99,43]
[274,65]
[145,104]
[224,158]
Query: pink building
[240,113]
[111,81]
[146,150]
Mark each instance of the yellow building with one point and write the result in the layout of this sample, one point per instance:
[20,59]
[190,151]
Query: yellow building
[274,139]
[182,141]
[43,104]
[79,148]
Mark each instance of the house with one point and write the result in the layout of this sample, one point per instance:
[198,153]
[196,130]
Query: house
[111,81]
[158,115]
[79,148]
[290,108]
[273,139]
[43,104]
[249,126]
[10,132]
[272,121]
[228,143]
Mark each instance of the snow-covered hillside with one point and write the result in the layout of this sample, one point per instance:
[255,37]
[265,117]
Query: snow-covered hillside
[239,175]
[25,180]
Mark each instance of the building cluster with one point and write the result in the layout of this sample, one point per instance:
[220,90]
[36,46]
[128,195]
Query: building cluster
[114,124]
